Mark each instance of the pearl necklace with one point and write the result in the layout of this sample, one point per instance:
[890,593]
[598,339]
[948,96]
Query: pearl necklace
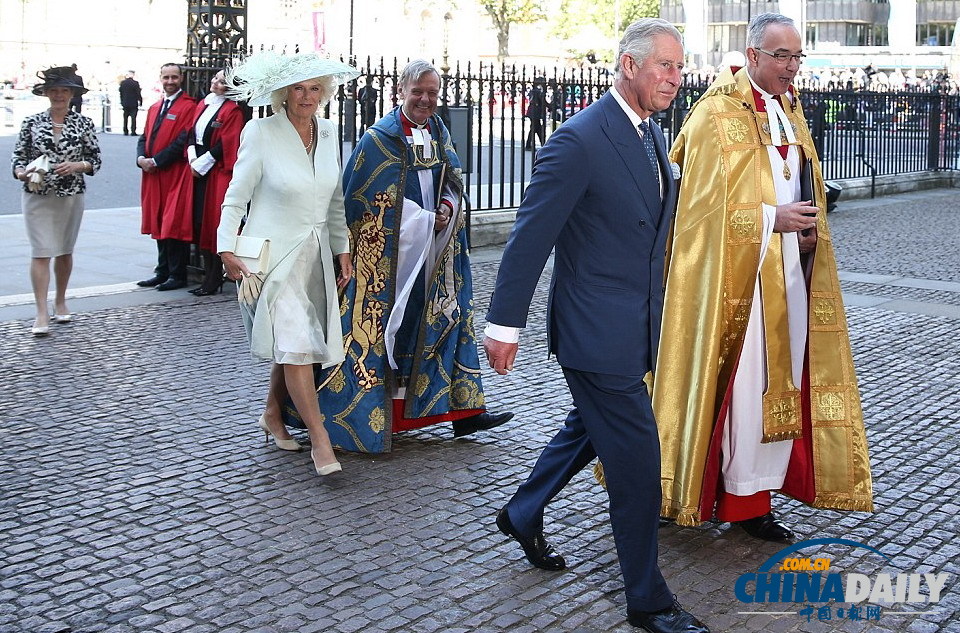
[56,125]
[310,144]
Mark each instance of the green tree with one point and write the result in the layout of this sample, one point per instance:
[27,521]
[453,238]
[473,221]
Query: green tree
[575,16]
[507,12]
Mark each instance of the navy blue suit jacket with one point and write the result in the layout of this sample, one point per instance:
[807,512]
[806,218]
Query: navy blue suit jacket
[593,198]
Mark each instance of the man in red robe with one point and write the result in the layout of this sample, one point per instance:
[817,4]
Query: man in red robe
[166,184]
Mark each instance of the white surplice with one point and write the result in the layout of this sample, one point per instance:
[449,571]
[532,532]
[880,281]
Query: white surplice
[748,465]
[418,242]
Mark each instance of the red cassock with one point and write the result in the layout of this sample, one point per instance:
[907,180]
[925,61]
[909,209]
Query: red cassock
[224,129]
[165,193]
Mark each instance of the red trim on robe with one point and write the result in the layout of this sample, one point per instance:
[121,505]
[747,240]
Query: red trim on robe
[762,107]
[401,423]
[732,507]
[800,481]
[408,125]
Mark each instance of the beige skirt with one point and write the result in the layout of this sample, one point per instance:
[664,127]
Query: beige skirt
[53,223]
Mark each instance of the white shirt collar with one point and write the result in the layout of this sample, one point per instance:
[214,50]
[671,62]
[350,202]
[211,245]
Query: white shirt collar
[764,94]
[173,97]
[635,119]
[778,122]
[414,124]
[214,99]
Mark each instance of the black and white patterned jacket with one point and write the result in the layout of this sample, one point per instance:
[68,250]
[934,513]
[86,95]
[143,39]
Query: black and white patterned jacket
[78,141]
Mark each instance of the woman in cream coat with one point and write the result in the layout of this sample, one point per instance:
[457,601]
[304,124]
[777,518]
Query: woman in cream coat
[288,169]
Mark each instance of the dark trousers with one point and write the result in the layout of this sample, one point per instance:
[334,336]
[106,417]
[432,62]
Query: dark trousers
[172,259]
[536,132]
[612,419]
[212,266]
[131,114]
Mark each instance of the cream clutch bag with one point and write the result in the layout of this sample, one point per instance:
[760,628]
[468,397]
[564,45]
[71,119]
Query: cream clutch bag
[37,169]
[254,252]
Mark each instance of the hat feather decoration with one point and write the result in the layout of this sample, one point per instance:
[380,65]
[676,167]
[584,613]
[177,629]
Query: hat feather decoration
[59,77]
[257,76]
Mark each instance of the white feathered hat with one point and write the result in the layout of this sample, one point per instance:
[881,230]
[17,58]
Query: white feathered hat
[257,76]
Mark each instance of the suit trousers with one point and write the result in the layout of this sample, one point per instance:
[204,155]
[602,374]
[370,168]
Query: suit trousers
[172,259]
[612,419]
[130,115]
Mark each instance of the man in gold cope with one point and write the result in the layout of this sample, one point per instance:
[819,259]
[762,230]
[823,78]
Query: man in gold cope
[754,388]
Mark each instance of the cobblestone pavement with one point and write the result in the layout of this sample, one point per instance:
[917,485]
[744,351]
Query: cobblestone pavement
[137,493]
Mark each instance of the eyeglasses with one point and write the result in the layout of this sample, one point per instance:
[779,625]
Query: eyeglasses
[783,58]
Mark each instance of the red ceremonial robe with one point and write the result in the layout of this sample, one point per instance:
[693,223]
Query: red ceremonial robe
[223,129]
[165,193]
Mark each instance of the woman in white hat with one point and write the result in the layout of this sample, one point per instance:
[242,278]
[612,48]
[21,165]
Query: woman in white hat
[288,170]
[54,150]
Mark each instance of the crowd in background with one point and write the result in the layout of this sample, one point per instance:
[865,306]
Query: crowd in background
[861,79]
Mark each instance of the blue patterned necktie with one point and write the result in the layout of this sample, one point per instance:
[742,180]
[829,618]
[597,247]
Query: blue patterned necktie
[647,139]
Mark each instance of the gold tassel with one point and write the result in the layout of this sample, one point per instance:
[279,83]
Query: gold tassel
[685,517]
[598,474]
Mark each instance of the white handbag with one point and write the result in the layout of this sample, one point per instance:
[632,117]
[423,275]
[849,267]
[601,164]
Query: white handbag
[254,252]
[37,169]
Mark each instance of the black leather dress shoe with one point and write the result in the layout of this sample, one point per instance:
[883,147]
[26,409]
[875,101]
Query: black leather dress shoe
[172,284]
[673,619]
[767,527]
[538,551]
[156,280]
[479,422]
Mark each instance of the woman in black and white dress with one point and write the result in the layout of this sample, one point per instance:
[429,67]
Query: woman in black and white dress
[55,149]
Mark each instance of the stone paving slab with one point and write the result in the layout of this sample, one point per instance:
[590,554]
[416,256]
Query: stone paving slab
[136,493]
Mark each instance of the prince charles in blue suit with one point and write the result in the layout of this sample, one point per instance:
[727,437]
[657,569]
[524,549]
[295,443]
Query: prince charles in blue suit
[602,196]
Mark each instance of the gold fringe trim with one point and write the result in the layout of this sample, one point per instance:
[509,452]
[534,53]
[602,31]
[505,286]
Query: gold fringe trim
[780,436]
[686,517]
[598,474]
[842,502]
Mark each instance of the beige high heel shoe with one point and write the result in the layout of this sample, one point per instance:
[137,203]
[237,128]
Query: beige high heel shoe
[284,445]
[328,469]
[40,330]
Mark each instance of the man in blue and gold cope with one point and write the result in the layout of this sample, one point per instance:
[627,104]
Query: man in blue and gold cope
[755,389]
[411,352]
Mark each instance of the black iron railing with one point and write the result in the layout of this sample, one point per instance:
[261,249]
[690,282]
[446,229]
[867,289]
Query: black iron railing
[857,133]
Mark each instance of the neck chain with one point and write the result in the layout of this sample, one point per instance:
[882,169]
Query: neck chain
[310,144]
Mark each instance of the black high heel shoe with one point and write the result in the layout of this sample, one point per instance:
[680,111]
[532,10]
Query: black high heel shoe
[203,292]
[213,276]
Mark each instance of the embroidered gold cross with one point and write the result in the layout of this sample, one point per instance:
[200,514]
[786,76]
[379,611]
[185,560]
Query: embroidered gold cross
[824,312]
[742,224]
[782,412]
[736,130]
[830,405]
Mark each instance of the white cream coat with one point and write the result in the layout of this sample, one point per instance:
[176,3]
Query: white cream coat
[294,204]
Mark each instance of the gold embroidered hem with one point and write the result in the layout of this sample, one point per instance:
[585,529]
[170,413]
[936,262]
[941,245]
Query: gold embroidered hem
[687,517]
[714,257]
[838,502]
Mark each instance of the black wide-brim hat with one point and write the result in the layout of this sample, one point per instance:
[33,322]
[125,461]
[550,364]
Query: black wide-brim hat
[58,77]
